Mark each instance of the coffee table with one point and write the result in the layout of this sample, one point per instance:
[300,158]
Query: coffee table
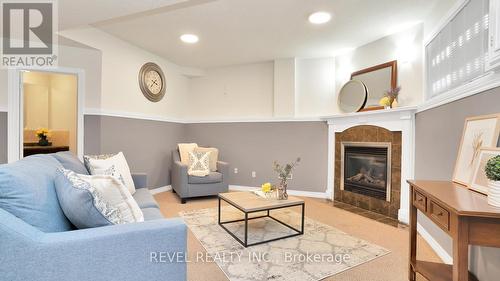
[248,203]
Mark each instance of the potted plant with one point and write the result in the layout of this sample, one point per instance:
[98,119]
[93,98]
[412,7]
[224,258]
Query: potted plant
[492,170]
[43,134]
[284,172]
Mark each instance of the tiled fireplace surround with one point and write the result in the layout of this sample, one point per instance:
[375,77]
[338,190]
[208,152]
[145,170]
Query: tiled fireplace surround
[392,125]
[367,133]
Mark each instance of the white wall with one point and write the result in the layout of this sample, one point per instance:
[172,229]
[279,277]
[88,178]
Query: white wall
[437,14]
[71,55]
[404,46]
[315,87]
[243,91]
[121,63]
[284,88]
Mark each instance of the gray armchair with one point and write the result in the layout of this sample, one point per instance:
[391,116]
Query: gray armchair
[187,186]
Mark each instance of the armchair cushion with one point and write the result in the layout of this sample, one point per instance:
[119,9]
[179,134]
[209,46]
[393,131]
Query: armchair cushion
[27,191]
[213,177]
[144,198]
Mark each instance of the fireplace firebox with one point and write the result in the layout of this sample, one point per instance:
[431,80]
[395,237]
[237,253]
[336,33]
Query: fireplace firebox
[366,169]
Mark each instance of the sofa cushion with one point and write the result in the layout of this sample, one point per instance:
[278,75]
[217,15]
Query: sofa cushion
[69,161]
[27,191]
[152,214]
[94,201]
[213,177]
[144,198]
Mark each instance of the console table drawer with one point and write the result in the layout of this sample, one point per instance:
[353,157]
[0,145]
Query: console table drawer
[420,201]
[440,215]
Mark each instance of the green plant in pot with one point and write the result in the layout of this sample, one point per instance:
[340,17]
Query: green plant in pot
[492,170]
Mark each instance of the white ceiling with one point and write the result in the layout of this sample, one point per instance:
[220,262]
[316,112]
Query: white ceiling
[245,31]
[73,13]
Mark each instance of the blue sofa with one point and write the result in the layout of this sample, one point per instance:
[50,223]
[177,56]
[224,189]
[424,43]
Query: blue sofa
[139,251]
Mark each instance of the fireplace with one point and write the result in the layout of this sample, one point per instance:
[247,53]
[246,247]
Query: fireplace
[366,169]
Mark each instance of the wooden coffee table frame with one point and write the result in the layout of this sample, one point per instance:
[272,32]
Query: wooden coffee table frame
[268,215]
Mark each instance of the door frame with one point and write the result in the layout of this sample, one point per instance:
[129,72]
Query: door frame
[15,108]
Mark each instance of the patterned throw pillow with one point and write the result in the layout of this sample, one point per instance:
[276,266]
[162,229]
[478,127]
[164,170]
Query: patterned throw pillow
[94,201]
[213,158]
[101,165]
[199,164]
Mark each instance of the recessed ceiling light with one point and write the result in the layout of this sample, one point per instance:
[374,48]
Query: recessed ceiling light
[190,38]
[320,17]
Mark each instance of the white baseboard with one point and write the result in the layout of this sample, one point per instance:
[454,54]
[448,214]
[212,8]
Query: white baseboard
[403,216]
[160,189]
[440,251]
[322,195]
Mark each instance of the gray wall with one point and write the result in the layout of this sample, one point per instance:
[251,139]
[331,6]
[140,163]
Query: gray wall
[3,137]
[146,144]
[438,134]
[92,135]
[254,146]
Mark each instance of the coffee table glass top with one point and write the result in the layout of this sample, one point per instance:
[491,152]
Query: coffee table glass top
[251,202]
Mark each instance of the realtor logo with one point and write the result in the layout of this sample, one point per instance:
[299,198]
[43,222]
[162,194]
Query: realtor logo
[28,29]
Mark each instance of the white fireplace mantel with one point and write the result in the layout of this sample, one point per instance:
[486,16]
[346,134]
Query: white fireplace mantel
[398,119]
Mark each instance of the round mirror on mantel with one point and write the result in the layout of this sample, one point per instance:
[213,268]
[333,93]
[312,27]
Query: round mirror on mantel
[352,97]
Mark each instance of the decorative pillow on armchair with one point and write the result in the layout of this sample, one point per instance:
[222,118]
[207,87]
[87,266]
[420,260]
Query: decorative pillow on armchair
[213,157]
[199,164]
[102,165]
[94,201]
[184,150]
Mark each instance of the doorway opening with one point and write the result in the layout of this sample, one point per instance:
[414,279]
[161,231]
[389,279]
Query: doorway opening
[50,112]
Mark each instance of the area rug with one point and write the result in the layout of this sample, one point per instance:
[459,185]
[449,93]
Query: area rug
[321,252]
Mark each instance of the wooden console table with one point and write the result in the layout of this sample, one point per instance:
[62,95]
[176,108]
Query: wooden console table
[462,213]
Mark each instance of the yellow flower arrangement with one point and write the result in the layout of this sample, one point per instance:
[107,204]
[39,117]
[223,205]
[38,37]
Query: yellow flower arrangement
[385,101]
[43,133]
[266,187]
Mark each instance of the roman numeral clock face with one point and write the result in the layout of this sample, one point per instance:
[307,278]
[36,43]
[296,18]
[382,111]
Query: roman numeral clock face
[152,82]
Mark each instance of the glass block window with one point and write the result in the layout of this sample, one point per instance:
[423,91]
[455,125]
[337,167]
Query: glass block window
[456,55]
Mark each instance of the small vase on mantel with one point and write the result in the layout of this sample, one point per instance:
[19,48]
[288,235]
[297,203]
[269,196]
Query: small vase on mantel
[494,193]
[394,103]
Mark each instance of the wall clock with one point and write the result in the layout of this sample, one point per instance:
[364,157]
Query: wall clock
[152,82]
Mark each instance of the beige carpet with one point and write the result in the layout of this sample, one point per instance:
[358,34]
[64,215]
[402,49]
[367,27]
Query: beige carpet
[393,266]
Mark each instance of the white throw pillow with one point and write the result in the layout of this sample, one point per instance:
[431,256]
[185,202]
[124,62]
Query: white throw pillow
[199,164]
[101,165]
[184,149]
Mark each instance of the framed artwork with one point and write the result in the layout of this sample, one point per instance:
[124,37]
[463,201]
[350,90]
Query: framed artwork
[479,131]
[479,180]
